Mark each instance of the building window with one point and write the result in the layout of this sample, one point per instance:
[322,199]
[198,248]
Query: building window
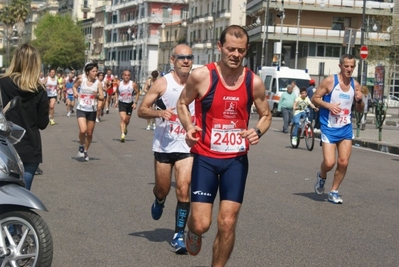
[85,15]
[339,23]
[328,50]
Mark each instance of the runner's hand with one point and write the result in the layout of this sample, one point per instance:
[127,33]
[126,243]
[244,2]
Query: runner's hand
[167,113]
[251,135]
[192,135]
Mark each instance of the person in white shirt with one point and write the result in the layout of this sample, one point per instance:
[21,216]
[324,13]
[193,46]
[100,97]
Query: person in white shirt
[127,96]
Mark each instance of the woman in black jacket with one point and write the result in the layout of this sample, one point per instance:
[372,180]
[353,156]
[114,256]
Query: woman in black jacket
[22,79]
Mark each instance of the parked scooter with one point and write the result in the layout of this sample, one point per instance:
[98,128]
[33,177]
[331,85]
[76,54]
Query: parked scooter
[25,239]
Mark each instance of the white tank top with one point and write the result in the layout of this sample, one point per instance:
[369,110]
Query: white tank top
[337,95]
[51,87]
[126,92]
[88,96]
[169,135]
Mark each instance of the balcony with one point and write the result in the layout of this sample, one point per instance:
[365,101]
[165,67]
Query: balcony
[98,24]
[85,8]
[340,6]
[311,34]
[134,63]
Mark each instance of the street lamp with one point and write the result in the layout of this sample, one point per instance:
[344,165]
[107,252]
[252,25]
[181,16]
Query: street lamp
[297,33]
[263,61]
[281,15]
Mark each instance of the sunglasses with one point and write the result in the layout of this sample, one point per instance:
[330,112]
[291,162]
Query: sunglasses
[184,57]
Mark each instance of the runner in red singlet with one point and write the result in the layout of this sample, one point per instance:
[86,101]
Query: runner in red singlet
[223,92]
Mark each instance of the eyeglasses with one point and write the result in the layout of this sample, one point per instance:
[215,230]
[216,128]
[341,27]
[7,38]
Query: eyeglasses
[183,57]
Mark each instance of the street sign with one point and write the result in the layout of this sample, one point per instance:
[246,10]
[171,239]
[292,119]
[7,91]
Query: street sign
[364,52]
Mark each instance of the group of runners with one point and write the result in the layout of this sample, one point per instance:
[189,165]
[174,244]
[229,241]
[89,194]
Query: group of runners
[201,132]
[95,93]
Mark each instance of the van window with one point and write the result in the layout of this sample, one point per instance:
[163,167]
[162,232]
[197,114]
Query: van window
[283,82]
[267,81]
[274,86]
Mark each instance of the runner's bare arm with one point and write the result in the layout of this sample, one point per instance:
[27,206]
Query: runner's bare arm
[145,110]
[197,84]
[359,106]
[77,83]
[136,89]
[263,109]
[324,88]
[100,92]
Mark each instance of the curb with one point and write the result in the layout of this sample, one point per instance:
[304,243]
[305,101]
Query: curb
[374,145]
[379,146]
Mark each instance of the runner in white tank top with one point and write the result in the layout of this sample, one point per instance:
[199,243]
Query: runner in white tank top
[51,86]
[169,135]
[128,96]
[86,110]
[335,96]
[170,149]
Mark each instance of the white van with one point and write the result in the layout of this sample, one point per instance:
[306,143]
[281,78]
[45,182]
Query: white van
[276,80]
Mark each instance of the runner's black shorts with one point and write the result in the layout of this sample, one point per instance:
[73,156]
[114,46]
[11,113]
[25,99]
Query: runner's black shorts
[170,158]
[126,107]
[89,115]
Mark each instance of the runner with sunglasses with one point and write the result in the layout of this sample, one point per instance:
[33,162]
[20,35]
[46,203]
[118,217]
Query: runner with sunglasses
[169,146]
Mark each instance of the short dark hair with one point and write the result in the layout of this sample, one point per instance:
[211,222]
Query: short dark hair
[235,30]
[89,66]
[302,89]
[154,74]
[346,56]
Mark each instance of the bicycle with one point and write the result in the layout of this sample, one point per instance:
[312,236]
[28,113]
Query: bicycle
[305,131]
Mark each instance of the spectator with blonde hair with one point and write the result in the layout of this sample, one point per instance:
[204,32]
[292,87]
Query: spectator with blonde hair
[22,79]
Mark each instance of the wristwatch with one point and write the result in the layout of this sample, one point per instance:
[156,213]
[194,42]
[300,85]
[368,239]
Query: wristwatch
[258,132]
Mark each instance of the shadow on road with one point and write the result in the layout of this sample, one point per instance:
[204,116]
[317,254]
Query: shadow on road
[157,235]
[313,196]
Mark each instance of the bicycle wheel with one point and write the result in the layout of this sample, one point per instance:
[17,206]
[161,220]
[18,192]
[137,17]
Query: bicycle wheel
[309,137]
[298,136]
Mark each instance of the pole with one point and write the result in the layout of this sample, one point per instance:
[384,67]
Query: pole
[281,33]
[263,61]
[360,77]
[297,34]
[213,31]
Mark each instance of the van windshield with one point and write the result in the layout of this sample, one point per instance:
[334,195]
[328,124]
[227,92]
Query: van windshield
[283,82]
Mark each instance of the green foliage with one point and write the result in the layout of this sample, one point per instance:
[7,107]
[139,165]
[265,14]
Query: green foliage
[60,42]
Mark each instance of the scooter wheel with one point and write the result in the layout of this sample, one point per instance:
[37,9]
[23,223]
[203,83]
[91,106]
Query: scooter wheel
[27,239]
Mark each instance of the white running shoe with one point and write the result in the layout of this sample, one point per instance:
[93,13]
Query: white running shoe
[294,140]
[319,185]
[97,120]
[333,197]
[148,127]
[153,126]
[69,114]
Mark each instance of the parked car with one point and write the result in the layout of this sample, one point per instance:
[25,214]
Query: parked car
[392,101]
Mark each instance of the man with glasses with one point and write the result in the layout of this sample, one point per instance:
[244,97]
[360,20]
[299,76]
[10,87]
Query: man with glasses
[223,92]
[169,146]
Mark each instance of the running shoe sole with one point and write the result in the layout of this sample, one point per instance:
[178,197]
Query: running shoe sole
[193,243]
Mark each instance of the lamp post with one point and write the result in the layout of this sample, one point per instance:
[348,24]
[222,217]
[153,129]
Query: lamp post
[263,60]
[281,15]
[297,32]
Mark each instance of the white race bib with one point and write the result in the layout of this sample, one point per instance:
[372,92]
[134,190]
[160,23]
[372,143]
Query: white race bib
[225,136]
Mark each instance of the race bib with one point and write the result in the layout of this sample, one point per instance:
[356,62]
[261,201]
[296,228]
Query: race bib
[341,119]
[126,97]
[176,130]
[225,136]
[87,100]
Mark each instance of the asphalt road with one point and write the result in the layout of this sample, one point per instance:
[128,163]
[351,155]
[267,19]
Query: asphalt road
[99,211]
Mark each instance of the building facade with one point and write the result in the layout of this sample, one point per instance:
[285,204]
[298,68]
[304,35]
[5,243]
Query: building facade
[313,34]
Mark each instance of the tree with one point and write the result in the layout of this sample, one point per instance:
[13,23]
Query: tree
[60,42]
